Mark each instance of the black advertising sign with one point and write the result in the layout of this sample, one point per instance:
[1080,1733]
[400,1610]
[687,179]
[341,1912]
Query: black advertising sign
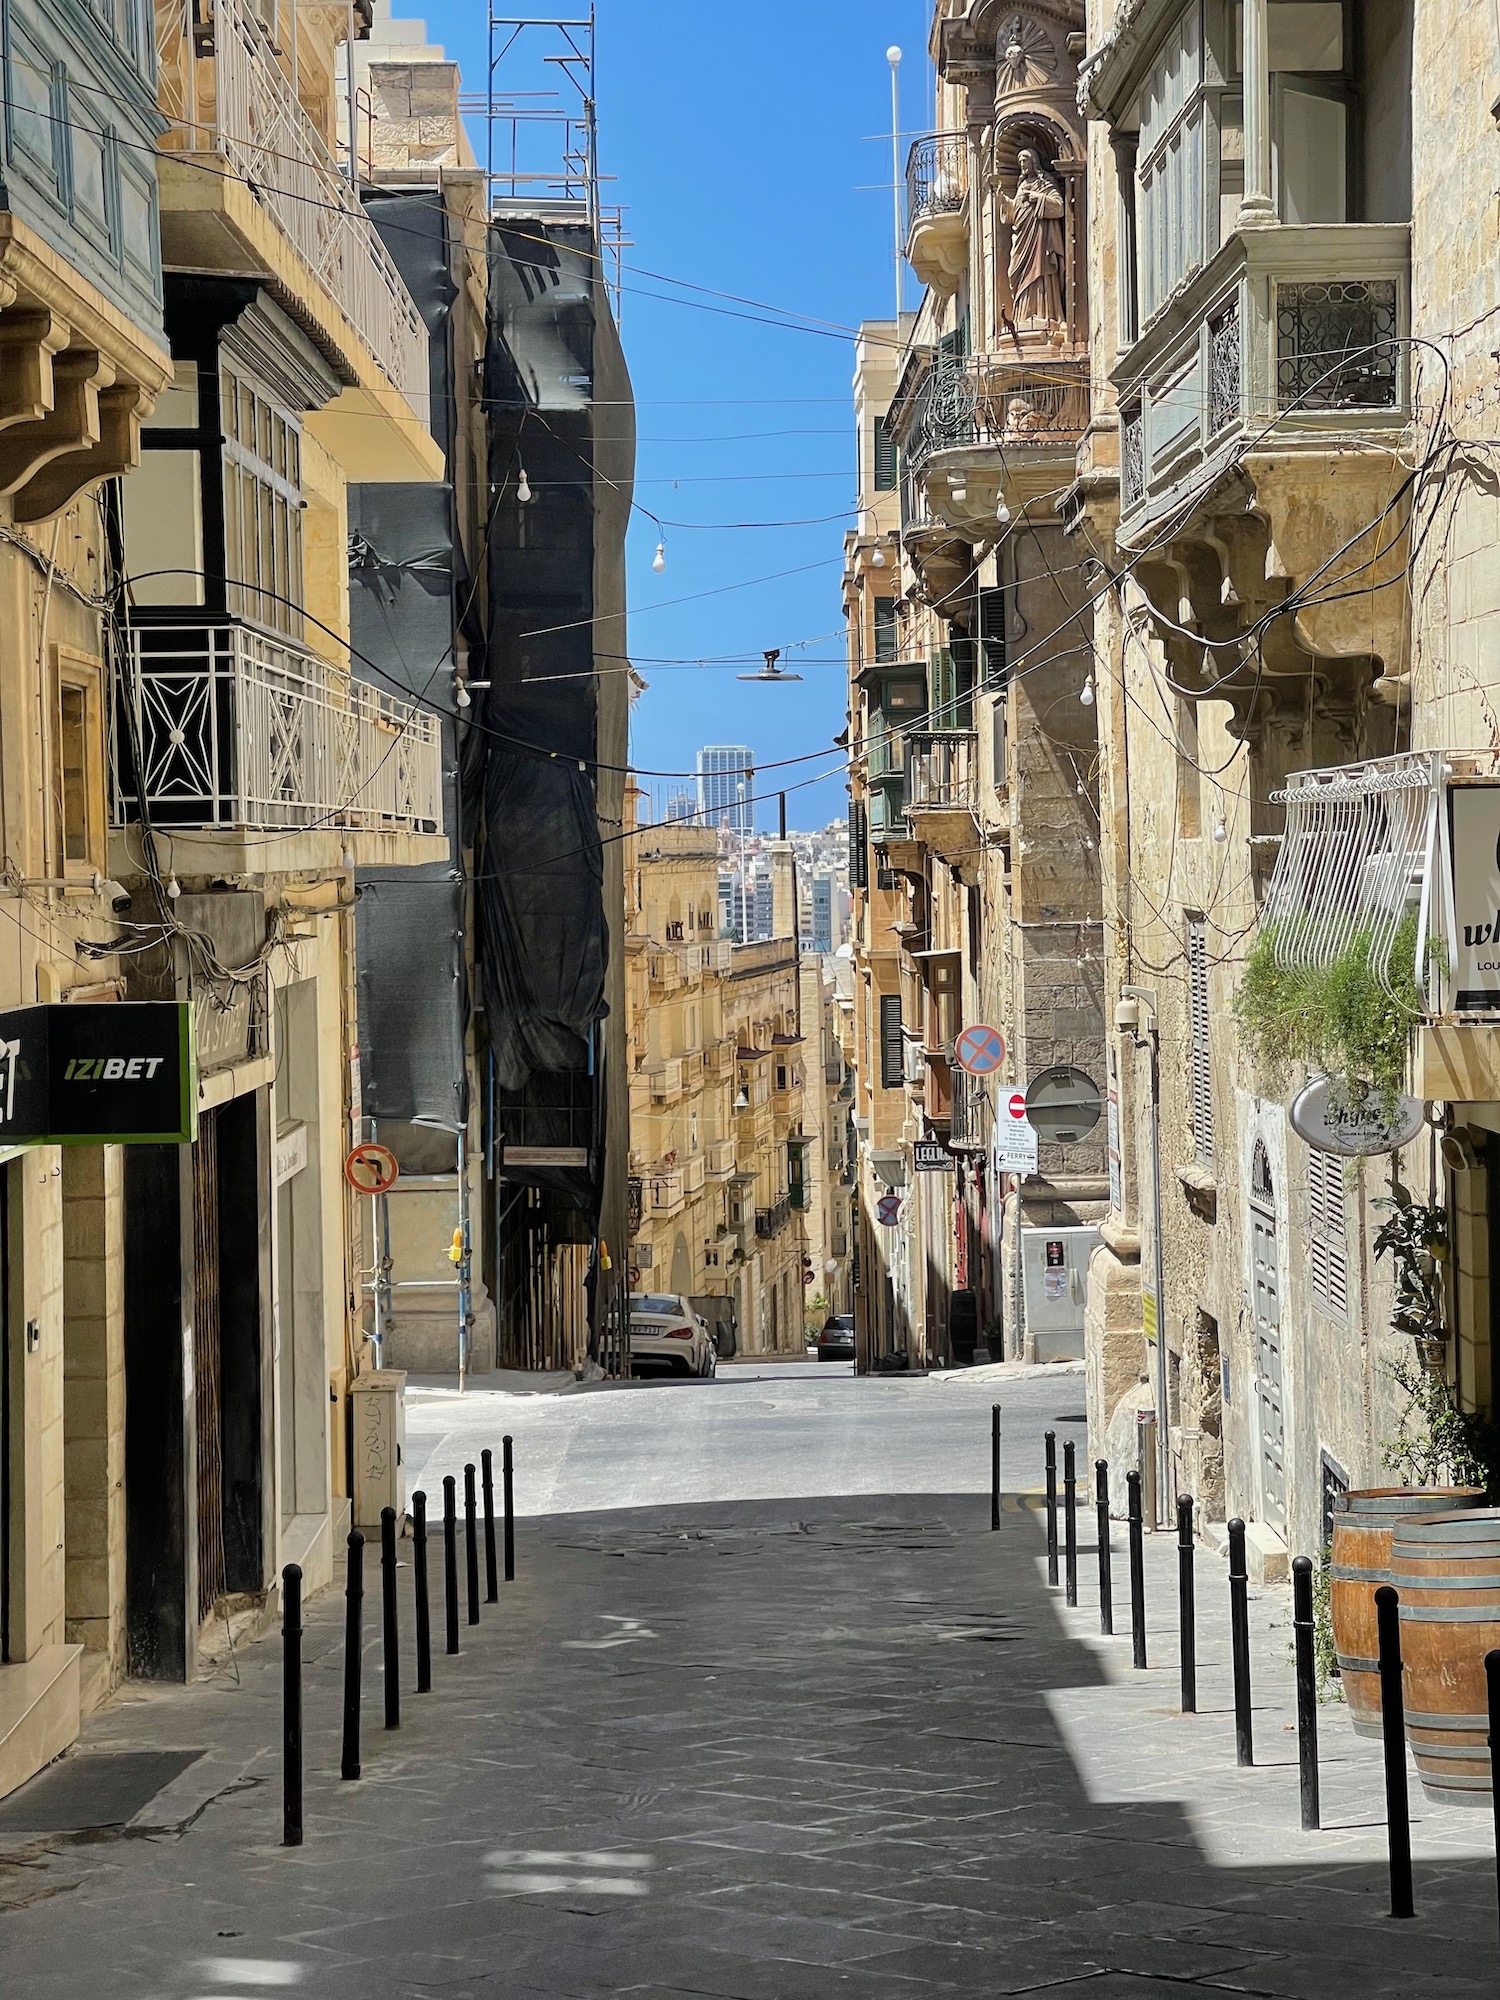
[117,1073]
[931,1156]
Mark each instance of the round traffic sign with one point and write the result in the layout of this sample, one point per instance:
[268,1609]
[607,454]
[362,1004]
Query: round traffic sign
[888,1210]
[979,1049]
[1064,1104]
[371,1169]
[1015,1104]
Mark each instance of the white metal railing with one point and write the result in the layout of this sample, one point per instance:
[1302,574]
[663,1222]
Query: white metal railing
[222,725]
[263,132]
[1357,859]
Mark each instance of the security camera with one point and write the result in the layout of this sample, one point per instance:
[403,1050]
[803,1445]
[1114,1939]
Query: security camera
[117,895]
[1128,1015]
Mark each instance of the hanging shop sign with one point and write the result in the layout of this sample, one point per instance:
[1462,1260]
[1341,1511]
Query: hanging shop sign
[1474,830]
[931,1156]
[1333,1116]
[114,1073]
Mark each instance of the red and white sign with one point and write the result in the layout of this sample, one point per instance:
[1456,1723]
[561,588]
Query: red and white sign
[980,1049]
[371,1169]
[888,1210]
[1014,1137]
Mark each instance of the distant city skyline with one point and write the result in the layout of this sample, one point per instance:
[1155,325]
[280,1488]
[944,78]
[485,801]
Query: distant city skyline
[726,786]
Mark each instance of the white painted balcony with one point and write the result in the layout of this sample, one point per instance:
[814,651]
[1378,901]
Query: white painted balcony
[242,107]
[222,726]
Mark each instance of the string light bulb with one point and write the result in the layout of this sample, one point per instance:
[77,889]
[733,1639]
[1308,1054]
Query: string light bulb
[1002,513]
[1221,832]
[1086,692]
[659,560]
[523,488]
[877,557]
[174,887]
[461,693]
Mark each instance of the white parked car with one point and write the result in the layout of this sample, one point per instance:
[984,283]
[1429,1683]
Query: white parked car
[666,1332]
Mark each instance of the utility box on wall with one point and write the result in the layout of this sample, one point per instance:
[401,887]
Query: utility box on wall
[1055,1264]
[379,1400]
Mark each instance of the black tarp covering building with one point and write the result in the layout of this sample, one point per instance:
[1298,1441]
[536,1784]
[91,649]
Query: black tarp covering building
[408,590]
[545,766]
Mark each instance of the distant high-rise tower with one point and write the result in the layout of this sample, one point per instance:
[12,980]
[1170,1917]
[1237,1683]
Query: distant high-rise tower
[726,786]
[680,806]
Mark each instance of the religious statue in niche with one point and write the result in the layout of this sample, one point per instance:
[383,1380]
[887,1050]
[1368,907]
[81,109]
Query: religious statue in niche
[1026,57]
[1034,212]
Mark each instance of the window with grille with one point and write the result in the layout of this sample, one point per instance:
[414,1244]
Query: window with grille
[1326,1235]
[892,1047]
[262,505]
[885,458]
[1200,1067]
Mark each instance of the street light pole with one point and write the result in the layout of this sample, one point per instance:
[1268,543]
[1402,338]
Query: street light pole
[893,57]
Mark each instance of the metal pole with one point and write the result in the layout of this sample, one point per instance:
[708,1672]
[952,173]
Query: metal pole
[1307,1691]
[291,1706]
[995,1466]
[1239,1644]
[349,92]
[1492,1680]
[1070,1525]
[1163,1441]
[471,1544]
[424,1610]
[1187,1623]
[1051,1444]
[1106,1575]
[491,1565]
[508,1484]
[389,1639]
[1137,1568]
[893,57]
[354,1591]
[450,1559]
[1393,1733]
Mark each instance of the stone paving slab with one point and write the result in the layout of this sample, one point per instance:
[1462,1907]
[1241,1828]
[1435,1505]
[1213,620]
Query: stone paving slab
[760,1751]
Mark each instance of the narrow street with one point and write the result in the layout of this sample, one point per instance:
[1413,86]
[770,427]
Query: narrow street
[743,1734]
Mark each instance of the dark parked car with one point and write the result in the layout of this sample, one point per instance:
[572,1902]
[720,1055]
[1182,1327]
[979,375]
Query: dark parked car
[836,1341]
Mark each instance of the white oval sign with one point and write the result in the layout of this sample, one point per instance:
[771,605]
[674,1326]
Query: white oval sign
[1334,1116]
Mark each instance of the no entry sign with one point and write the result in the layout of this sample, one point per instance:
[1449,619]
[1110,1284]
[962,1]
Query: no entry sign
[1015,1137]
[980,1049]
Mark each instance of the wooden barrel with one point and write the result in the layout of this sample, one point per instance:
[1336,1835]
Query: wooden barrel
[1446,1568]
[1362,1525]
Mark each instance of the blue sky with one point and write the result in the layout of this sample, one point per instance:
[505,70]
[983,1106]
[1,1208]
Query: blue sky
[736,139]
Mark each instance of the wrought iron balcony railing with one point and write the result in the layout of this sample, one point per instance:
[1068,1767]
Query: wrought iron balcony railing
[937,177]
[1290,332]
[982,399]
[771,1221]
[224,726]
[261,130]
[941,769]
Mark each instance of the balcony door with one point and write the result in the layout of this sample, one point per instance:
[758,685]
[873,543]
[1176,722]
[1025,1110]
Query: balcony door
[1310,133]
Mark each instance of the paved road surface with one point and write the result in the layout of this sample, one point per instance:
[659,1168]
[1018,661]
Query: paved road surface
[745,1749]
[758,1431]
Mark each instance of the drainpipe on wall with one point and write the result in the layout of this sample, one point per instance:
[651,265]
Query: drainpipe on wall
[1133,999]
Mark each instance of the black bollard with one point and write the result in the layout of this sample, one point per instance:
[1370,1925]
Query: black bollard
[491,1563]
[1137,1568]
[1307,1690]
[424,1610]
[1106,1573]
[1051,1442]
[471,1545]
[1187,1610]
[995,1466]
[1393,1732]
[389,1640]
[508,1482]
[450,1560]
[1492,1679]
[291,1706]
[1239,1644]
[1070,1525]
[354,1592]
